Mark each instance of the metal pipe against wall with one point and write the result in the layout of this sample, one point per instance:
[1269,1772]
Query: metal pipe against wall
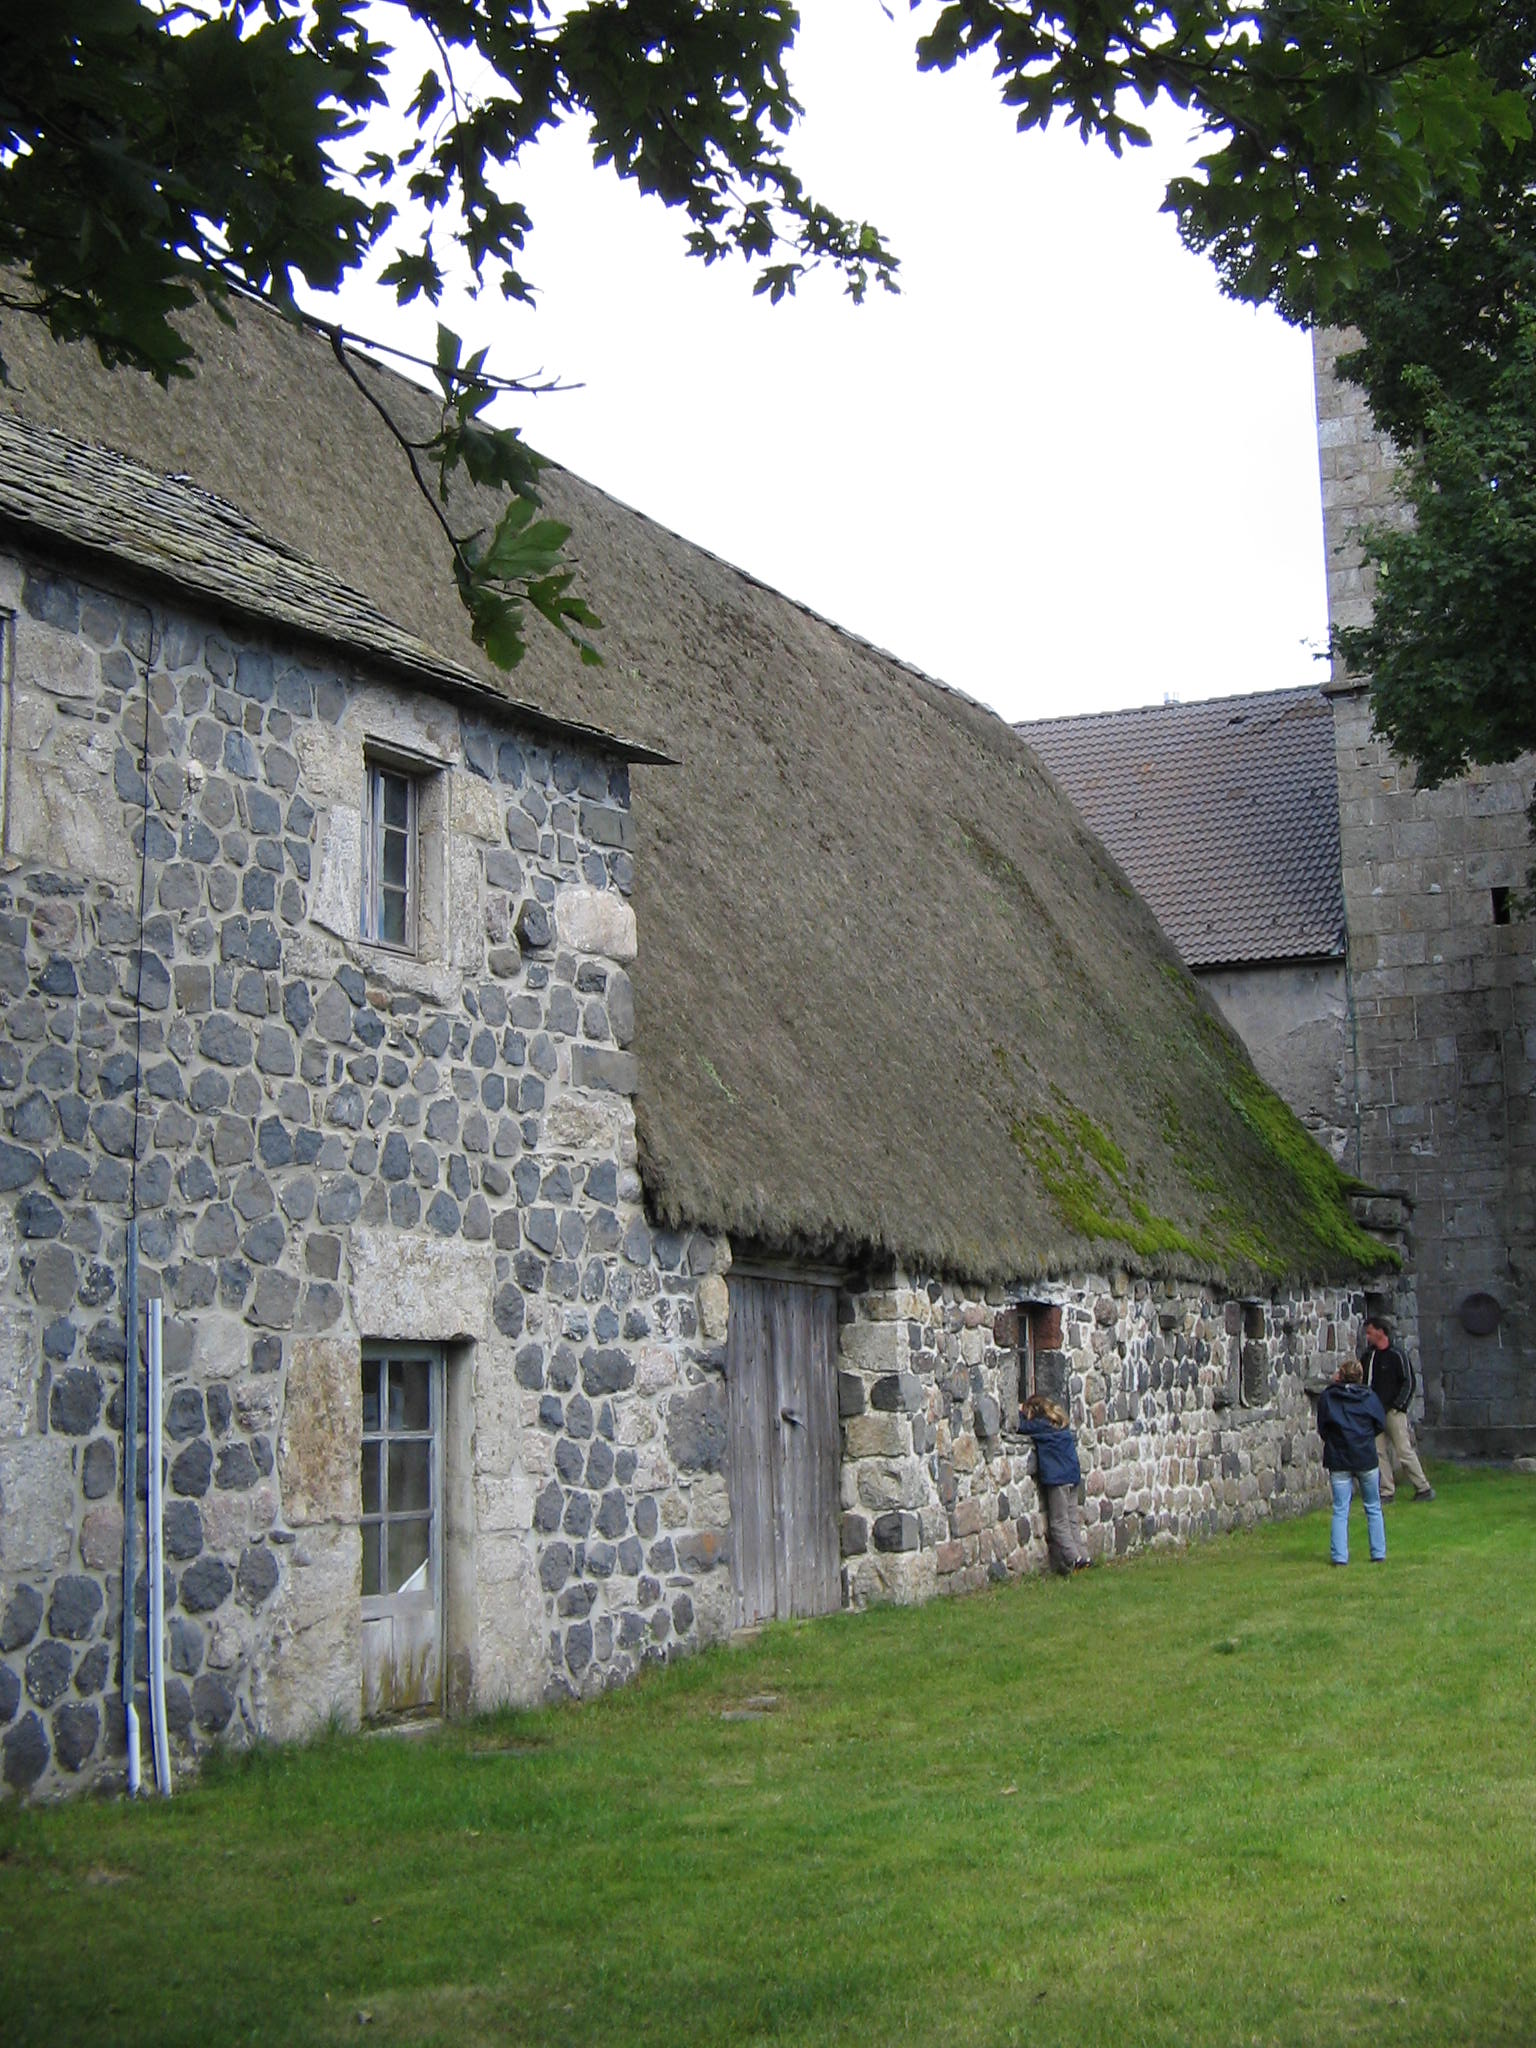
[154,1523]
[130,1495]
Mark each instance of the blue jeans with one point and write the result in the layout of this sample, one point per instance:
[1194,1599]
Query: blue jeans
[1370,1494]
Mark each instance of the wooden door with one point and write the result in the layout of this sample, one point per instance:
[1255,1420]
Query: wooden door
[402,1528]
[781,1372]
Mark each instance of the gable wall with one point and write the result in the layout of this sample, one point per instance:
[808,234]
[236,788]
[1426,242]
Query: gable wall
[335,1144]
[1294,1019]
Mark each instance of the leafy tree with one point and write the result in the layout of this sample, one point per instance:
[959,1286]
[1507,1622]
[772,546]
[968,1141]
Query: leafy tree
[1451,646]
[1447,360]
[153,152]
[1334,125]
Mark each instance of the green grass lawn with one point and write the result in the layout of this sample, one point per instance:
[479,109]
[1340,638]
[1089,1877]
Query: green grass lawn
[1227,1796]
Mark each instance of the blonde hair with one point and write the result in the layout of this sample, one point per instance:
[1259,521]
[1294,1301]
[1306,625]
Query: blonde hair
[1040,1408]
[1350,1371]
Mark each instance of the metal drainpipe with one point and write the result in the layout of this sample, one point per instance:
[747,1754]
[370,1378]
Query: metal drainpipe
[154,1563]
[130,1499]
[131,1296]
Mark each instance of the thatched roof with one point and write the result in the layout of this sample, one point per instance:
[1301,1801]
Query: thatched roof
[893,998]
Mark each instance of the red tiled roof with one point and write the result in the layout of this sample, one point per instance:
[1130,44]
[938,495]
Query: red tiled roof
[1225,815]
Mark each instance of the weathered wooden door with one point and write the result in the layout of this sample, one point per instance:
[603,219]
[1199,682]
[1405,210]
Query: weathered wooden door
[781,1372]
[402,1528]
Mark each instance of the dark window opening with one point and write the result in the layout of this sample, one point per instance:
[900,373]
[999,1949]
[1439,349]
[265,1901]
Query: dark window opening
[1045,1362]
[1253,1361]
[1500,905]
[1034,1362]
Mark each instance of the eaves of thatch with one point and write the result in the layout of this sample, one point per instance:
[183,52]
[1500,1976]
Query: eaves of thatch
[894,1000]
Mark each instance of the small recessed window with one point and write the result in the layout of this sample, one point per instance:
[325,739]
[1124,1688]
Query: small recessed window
[1253,1357]
[391,883]
[1500,905]
[1035,1362]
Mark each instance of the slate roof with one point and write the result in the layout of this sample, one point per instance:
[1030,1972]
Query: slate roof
[105,505]
[893,1001]
[1225,815]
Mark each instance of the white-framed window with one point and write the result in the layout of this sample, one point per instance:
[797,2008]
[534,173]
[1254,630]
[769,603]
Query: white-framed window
[401,1526]
[391,856]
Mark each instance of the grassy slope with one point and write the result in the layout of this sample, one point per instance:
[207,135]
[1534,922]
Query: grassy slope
[1225,1796]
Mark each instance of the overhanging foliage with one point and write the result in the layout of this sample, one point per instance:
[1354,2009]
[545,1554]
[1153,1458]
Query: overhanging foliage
[158,152]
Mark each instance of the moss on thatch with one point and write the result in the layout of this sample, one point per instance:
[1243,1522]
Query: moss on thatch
[893,999]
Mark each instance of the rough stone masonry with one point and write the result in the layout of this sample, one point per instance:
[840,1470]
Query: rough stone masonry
[332,1143]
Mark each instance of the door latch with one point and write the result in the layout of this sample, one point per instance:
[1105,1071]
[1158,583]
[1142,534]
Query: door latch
[789,1415]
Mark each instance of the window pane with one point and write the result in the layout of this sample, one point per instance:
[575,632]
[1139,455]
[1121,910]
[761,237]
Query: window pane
[372,1504]
[409,1548]
[411,1407]
[396,846]
[397,799]
[392,917]
[410,1476]
[372,1370]
[373,1551]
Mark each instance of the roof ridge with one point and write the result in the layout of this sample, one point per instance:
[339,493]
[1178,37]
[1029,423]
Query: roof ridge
[1130,711]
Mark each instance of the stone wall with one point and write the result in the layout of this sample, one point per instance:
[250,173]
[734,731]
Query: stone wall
[1293,1017]
[333,1143]
[1191,1415]
[1443,994]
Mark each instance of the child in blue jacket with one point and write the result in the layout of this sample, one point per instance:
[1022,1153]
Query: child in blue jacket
[1349,1420]
[1059,1475]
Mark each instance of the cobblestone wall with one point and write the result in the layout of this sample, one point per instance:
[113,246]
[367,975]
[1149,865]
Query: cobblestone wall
[334,1143]
[1442,959]
[1190,1411]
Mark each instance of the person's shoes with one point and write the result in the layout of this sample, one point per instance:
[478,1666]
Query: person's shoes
[1424,1493]
[1081,1564]
[1339,1563]
[1378,1560]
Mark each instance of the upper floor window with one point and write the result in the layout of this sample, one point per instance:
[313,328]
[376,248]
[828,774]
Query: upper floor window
[391,857]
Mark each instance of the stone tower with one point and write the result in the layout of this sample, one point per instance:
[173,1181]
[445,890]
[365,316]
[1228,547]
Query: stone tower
[1442,998]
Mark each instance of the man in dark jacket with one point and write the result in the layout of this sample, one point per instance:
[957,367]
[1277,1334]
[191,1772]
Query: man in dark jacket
[1349,1419]
[1391,1380]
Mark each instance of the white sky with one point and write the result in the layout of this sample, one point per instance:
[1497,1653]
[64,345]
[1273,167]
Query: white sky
[1060,471]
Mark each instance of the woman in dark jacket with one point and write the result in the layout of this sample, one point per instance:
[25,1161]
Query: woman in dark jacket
[1349,1418]
[1059,1475]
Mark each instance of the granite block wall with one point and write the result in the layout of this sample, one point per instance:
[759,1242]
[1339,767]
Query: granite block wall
[1442,998]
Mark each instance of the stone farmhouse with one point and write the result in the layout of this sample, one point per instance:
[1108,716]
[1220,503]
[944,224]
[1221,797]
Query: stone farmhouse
[610,1147]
